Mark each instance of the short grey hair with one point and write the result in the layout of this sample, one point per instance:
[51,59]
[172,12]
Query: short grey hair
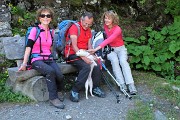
[87,14]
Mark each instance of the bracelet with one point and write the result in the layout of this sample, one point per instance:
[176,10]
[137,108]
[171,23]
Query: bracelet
[23,64]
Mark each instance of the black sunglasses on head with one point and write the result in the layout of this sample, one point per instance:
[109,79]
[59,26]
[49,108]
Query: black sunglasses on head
[43,16]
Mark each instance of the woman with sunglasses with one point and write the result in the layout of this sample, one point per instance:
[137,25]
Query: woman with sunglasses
[118,55]
[42,61]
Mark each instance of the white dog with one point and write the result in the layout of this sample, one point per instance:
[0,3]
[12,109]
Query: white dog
[89,82]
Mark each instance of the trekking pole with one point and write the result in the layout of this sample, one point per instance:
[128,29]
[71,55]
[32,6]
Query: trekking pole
[124,91]
[110,87]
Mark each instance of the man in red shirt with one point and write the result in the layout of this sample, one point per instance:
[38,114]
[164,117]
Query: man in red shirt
[82,41]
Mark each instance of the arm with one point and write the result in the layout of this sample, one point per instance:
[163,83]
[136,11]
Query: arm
[74,42]
[92,51]
[26,57]
[116,33]
[89,44]
[29,46]
[75,48]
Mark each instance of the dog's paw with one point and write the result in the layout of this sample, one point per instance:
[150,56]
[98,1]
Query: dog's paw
[87,98]
[92,95]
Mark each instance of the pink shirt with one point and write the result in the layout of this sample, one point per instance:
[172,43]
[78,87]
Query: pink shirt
[114,37]
[45,43]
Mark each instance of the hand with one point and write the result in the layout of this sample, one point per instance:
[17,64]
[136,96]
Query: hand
[95,57]
[87,60]
[22,68]
[91,51]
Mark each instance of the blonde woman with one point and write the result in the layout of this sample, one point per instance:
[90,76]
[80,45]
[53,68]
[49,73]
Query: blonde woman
[118,55]
[41,55]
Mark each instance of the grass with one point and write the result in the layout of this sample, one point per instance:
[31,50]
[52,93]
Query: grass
[141,112]
[159,86]
[163,90]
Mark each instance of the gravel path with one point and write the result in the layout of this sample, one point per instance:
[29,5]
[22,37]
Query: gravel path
[92,109]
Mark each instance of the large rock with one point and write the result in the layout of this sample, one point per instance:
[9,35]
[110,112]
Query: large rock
[14,47]
[5,29]
[5,15]
[1,47]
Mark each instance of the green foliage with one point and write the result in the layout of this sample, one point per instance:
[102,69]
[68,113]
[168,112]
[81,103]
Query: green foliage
[76,2]
[6,93]
[173,7]
[4,64]
[142,1]
[69,81]
[158,52]
[22,19]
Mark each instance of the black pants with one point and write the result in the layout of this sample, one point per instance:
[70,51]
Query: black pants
[52,73]
[84,70]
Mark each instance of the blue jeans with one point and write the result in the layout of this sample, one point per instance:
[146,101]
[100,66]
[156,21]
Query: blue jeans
[50,70]
[84,70]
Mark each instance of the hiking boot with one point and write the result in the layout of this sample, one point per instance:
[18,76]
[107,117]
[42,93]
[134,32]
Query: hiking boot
[61,96]
[74,96]
[98,92]
[57,103]
[132,89]
[123,87]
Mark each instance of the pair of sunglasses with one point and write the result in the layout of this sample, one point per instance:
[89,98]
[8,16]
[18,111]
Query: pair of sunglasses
[43,16]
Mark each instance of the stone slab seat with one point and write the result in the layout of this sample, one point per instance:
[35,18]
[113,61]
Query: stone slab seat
[29,82]
[19,76]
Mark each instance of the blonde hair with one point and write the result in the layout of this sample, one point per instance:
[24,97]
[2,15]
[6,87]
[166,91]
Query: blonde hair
[112,14]
[46,9]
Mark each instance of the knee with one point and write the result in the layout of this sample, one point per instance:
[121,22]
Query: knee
[115,61]
[51,72]
[123,62]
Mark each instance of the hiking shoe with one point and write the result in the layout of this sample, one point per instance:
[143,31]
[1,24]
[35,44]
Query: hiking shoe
[74,96]
[57,103]
[132,89]
[123,87]
[61,96]
[98,92]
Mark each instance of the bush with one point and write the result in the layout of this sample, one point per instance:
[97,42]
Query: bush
[158,51]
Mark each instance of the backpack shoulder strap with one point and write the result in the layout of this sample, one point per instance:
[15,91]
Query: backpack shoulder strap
[78,26]
[51,32]
[38,31]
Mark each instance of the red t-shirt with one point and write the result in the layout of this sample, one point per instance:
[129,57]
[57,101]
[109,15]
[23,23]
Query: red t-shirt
[82,40]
